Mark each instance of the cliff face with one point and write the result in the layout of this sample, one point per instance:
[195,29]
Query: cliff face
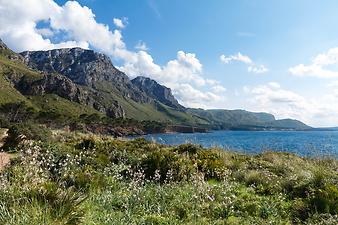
[85,67]
[157,91]
[65,88]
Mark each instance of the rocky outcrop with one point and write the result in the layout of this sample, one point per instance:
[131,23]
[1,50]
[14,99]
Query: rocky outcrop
[157,91]
[3,45]
[85,67]
[65,88]
[5,51]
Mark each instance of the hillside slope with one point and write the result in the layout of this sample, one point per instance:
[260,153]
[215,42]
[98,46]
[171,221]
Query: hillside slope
[76,81]
[95,86]
[244,120]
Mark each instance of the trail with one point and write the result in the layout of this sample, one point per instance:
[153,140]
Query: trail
[5,158]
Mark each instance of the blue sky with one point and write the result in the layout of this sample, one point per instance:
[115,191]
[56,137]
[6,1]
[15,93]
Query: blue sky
[278,57]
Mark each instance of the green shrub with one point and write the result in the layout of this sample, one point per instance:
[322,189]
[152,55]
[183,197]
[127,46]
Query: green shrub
[188,148]
[210,163]
[325,200]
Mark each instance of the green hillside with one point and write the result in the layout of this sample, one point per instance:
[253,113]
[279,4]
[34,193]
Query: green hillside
[106,91]
[12,70]
[244,120]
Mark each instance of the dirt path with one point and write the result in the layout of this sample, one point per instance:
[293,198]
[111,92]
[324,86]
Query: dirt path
[5,158]
[3,136]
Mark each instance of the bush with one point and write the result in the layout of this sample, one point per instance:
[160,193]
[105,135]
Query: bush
[188,148]
[325,200]
[210,163]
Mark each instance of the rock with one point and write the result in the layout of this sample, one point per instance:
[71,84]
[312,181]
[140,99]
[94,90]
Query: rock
[85,67]
[115,111]
[64,87]
[5,51]
[157,91]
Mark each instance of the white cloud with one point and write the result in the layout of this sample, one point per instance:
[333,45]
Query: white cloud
[80,24]
[120,23]
[79,28]
[218,89]
[333,84]
[320,67]
[191,97]
[252,67]
[284,103]
[184,75]
[46,32]
[18,21]
[257,69]
[238,57]
[142,46]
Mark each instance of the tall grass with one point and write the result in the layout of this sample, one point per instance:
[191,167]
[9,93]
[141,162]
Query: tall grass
[98,180]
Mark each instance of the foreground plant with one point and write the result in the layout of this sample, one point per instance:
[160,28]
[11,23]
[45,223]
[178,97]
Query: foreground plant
[99,180]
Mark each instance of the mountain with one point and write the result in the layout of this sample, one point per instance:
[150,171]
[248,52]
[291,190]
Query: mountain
[229,118]
[85,67]
[75,81]
[287,124]
[156,91]
[244,120]
[76,77]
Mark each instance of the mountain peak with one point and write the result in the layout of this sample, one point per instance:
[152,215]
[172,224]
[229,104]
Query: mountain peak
[8,53]
[3,45]
[81,65]
[157,91]
[87,68]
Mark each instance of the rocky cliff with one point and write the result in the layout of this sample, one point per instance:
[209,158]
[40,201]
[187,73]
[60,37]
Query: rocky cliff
[156,91]
[85,67]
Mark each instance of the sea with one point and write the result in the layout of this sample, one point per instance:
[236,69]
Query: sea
[302,143]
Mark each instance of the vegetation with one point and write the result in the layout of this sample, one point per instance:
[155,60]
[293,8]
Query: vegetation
[85,179]
[59,174]
[245,120]
[16,80]
[34,123]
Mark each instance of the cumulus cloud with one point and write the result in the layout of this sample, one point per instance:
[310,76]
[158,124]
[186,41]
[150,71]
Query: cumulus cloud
[18,22]
[258,69]
[120,23]
[184,75]
[218,89]
[252,67]
[78,27]
[142,46]
[46,32]
[238,57]
[284,103]
[320,66]
[195,98]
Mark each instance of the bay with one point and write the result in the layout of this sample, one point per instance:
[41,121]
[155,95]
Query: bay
[303,143]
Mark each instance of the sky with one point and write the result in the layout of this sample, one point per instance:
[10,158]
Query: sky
[258,55]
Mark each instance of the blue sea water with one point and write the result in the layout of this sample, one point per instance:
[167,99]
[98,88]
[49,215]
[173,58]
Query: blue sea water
[303,143]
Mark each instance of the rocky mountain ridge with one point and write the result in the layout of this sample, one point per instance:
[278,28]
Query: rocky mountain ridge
[84,67]
[90,79]
[157,91]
